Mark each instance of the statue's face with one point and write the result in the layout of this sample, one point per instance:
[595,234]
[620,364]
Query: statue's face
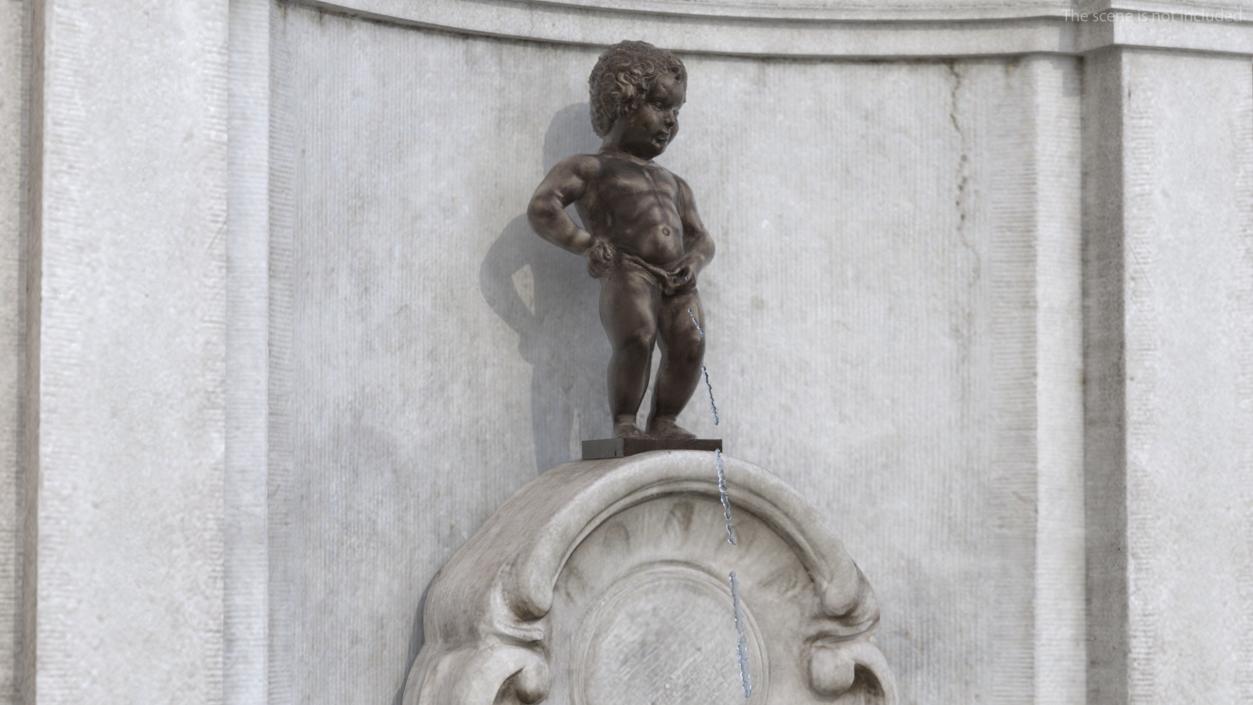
[649,129]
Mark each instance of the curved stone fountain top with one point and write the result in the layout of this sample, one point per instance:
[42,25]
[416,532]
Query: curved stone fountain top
[606,583]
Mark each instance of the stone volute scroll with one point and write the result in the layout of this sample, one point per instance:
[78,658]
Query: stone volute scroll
[605,583]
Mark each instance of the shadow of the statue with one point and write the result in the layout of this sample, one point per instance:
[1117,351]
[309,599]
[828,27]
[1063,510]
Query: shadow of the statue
[559,331]
[558,327]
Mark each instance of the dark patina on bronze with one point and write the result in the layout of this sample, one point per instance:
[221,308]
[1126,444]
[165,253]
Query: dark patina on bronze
[644,239]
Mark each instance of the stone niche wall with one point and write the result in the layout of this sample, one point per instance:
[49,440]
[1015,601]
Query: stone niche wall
[981,295]
[872,312]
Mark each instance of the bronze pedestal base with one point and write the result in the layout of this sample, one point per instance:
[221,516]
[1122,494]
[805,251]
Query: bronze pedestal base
[599,448]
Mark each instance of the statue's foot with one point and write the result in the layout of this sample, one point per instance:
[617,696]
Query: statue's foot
[666,429]
[627,429]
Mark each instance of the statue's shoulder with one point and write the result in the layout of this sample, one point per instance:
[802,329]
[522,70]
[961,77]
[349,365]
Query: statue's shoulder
[678,180]
[585,165]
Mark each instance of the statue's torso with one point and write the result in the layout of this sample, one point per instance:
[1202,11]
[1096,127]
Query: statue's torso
[635,206]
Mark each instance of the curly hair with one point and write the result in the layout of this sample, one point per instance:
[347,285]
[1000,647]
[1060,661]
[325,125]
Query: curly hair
[622,78]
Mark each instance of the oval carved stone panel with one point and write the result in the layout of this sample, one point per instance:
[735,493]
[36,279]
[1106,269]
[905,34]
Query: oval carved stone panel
[643,611]
[663,636]
[608,583]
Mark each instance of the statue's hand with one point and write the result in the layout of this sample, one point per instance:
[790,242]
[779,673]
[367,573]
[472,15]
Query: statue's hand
[680,280]
[600,257]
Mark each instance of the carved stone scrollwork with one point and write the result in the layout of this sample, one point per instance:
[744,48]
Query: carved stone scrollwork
[606,583]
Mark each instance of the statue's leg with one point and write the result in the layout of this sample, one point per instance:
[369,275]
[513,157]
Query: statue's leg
[628,311]
[682,350]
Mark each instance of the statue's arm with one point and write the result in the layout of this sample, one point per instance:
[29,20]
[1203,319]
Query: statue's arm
[697,245]
[564,185]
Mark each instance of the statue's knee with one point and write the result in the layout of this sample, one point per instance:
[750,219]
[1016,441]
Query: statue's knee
[640,340]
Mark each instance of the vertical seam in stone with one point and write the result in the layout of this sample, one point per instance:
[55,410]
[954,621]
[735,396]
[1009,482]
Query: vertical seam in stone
[1142,374]
[279,455]
[1104,368]
[29,470]
[1244,382]
[13,160]
[1004,226]
[1060,649]
[214,42]
[246,583]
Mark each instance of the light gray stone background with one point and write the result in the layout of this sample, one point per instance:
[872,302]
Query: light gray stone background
[277,339]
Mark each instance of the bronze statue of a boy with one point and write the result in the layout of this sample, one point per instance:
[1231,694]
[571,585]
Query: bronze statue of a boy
[646,243]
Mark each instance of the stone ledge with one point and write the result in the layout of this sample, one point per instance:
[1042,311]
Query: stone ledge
[851,31]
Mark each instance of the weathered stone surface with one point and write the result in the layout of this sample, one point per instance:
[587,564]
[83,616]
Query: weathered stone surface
[606,583]
[1169,317]
[875,331]
[14,51]
[843,29]
[128,425]
[919,254]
